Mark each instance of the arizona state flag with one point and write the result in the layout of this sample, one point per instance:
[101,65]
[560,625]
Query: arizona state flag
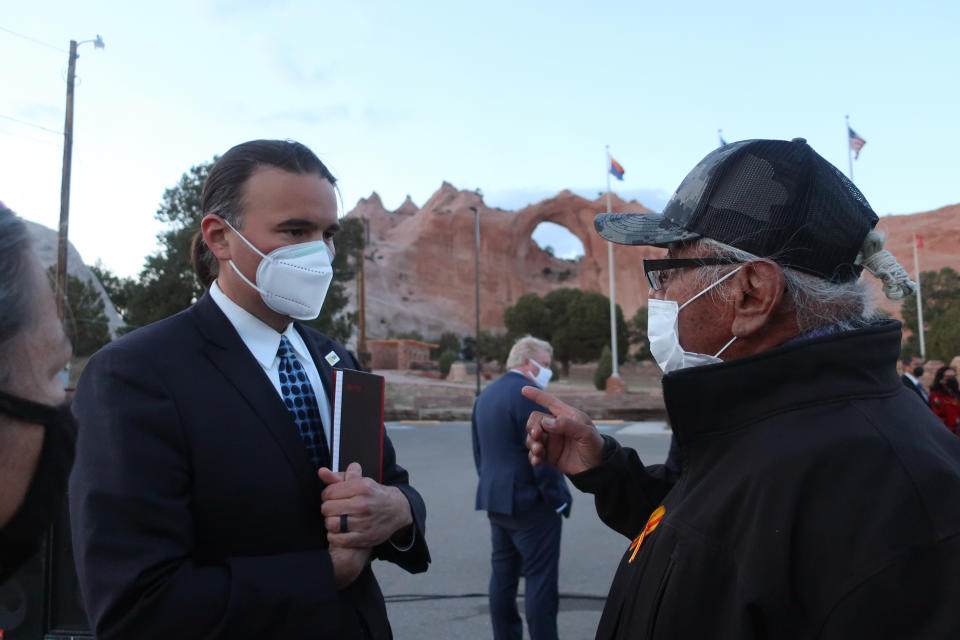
[616,169]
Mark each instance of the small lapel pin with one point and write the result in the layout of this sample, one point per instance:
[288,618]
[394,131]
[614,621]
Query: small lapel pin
[332,358]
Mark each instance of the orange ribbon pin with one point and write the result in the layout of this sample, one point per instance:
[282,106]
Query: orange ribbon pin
[652,522]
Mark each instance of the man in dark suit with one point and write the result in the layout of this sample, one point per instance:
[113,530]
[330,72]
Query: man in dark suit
[912,371]
[201,503]
[523,502]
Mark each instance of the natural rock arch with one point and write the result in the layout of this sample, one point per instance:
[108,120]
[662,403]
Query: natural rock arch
[425,277]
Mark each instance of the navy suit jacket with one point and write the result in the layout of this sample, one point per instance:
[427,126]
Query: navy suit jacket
[509,484]
[917,388]
[195,509]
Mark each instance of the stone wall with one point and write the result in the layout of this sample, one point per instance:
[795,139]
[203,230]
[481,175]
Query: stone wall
[397,354]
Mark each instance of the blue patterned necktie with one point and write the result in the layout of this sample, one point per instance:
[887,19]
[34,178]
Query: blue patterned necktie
[301,402]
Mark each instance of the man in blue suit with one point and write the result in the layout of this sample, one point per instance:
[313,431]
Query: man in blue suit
[200,501]
[523,502]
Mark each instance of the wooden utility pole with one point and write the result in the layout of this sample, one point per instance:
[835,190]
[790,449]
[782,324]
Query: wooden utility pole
[65,185]
[65,180]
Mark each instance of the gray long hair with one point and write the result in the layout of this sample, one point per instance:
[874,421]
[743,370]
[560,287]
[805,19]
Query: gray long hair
[17,286]
[817,302]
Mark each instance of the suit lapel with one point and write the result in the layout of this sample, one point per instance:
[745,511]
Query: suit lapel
[231,357]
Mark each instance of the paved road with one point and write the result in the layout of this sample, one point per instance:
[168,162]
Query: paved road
[449,601]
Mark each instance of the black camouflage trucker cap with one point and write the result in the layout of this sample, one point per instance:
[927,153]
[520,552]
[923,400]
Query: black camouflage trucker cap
[772,198]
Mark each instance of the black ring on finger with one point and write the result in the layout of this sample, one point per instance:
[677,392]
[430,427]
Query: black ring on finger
[343,523]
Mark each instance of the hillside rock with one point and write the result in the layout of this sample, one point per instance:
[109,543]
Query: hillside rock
[423,277]
[45,242]
[940,232]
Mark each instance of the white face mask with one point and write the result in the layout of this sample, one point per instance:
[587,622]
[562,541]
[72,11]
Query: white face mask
[543,375]
[292,280]
[664,335]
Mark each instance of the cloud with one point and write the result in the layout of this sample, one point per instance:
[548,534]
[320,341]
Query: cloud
[308,115]
[226,9]
[293,68]
[378,117]
[513,199]
[41,113]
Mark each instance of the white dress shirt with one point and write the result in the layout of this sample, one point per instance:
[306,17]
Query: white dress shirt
[264,342]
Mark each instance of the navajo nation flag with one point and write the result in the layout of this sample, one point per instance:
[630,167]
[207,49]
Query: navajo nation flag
[856,142]
[616,170]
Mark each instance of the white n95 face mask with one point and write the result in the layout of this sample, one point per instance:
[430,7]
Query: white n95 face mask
[543,375]
[664,335]
[292,280]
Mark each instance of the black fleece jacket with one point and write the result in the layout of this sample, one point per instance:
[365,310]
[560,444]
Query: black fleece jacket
[818,498]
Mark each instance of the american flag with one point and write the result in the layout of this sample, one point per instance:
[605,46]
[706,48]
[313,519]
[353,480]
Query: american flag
[856,142]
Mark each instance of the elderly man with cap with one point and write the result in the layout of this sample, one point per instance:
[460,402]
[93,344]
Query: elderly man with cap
[817,497]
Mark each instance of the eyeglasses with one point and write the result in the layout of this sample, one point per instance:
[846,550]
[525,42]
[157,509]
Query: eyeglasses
[656,270]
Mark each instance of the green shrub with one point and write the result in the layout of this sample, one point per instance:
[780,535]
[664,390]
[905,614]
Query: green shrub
[447,358]
[604,369]
[447,341]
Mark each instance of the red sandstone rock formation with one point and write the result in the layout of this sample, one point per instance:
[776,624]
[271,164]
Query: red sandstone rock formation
[423,278]
[940,231]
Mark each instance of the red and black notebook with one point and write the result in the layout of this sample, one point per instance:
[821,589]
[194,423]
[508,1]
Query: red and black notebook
[357,425]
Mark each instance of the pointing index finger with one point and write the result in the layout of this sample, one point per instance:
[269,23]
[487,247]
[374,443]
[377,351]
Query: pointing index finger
[544,399]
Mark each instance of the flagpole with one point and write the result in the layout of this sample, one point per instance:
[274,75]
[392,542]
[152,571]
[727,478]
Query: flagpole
[849,149]
[613,305]
[916,269]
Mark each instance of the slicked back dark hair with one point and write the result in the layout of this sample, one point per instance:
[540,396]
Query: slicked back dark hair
[223,189]
[17,285]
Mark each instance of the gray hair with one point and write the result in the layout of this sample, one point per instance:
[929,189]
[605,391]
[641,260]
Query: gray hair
[817,302]
[17,286]
[527,347]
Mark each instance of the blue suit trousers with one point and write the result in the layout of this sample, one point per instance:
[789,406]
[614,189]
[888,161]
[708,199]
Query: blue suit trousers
[525,545]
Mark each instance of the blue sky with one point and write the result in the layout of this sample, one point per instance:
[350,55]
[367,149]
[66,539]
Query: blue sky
[516,98]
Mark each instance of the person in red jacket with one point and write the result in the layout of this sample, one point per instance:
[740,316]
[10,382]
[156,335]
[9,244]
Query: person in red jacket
[945,398]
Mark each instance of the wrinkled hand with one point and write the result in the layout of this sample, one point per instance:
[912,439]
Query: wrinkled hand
[374,511]
[347,564]
[566,437]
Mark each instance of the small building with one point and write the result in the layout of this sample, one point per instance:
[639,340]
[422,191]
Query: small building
[398,354]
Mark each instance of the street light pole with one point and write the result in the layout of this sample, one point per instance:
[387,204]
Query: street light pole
[362,294]
[476,285]
[65,180]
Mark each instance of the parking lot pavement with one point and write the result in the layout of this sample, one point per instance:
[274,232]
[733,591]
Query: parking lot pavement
[449,601]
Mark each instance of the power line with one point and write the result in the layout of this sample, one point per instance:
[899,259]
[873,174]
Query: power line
[50,141]
[34,40]
[30,124]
